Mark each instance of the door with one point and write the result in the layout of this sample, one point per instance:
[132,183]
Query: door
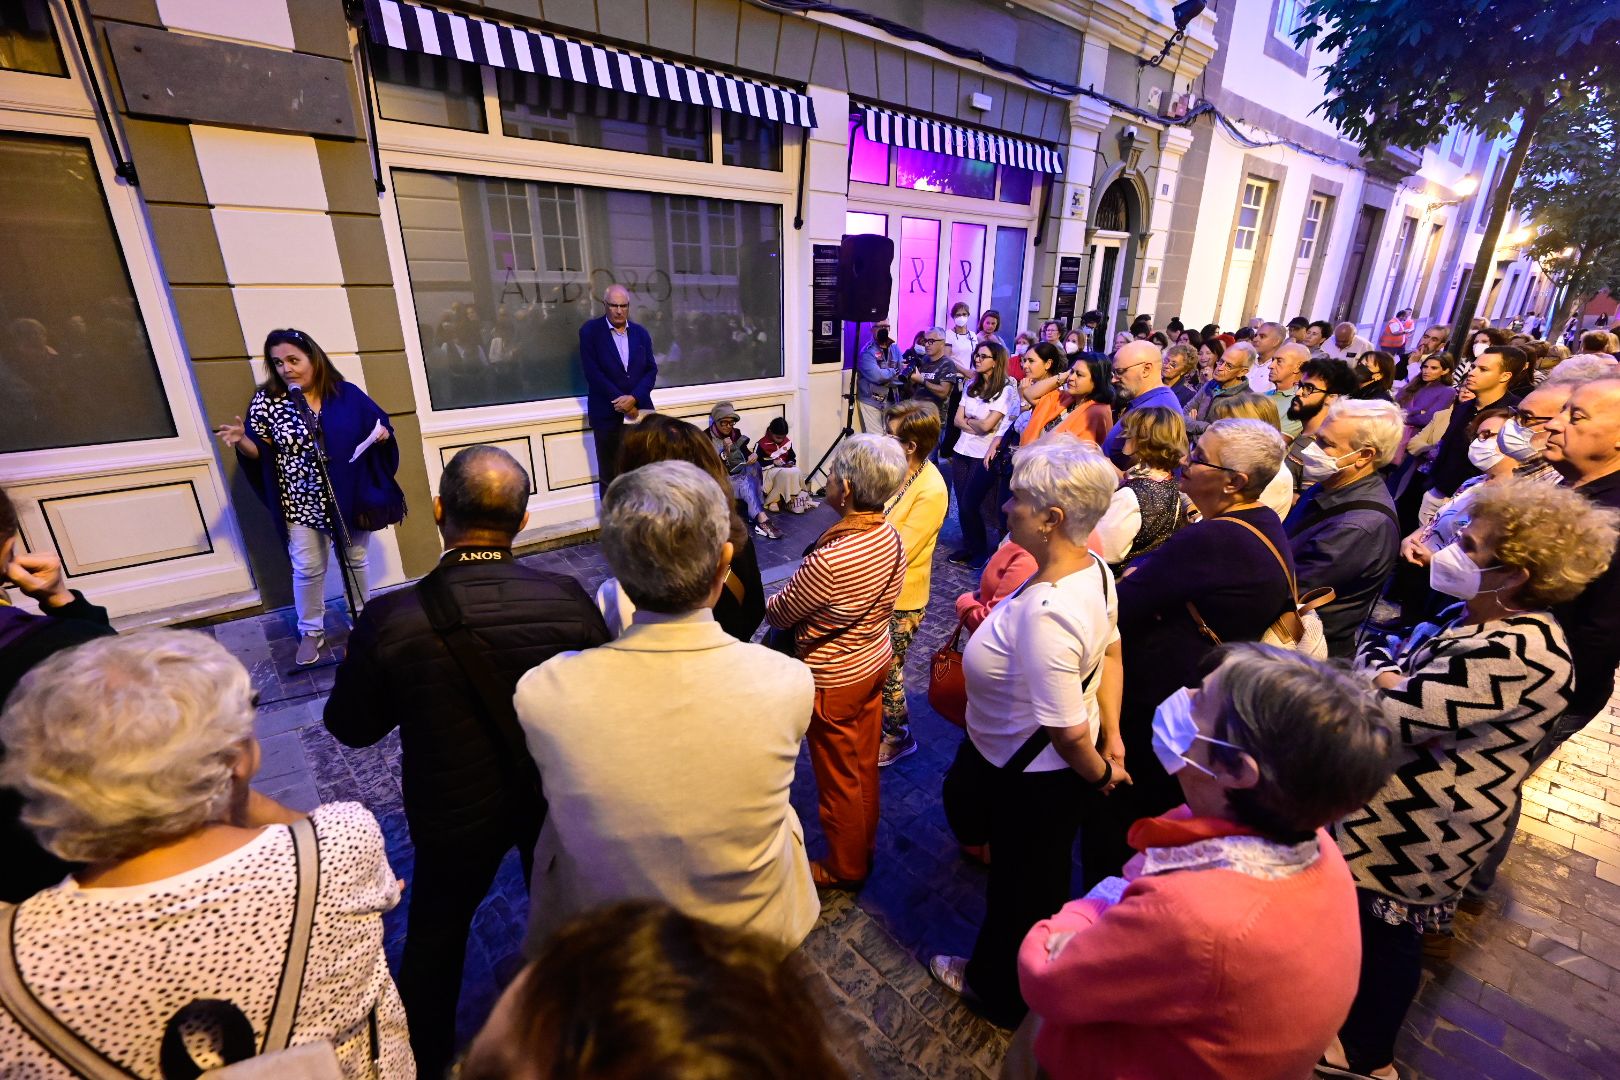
[1354,283]
[1245,241]
[1103,290]
[1310,238]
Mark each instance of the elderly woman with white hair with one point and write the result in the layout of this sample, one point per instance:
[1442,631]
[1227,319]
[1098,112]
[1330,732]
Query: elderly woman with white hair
[1471,700]
[1225,578]
[837,605]
[1343,530]
[133,756]
[1043,685]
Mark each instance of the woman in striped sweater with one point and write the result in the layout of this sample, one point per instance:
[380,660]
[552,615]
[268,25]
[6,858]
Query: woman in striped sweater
[838,604]
[1470,700]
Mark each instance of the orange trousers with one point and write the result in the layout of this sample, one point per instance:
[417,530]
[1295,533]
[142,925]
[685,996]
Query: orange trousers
[845,729]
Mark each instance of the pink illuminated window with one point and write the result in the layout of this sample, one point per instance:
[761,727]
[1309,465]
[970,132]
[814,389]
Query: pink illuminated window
[964,277]
[857,223]
[868,160]
[924,170]
[917,276]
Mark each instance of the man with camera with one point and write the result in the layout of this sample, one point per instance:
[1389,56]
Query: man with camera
[877,371]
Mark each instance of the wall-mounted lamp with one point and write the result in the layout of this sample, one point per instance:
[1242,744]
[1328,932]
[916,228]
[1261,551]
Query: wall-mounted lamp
[1183,14]
[1460,191]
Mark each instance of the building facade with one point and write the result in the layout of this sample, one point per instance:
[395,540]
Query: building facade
[439,194]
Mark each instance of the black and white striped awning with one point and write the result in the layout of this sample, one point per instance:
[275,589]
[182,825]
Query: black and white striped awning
[902,129]
[422,29]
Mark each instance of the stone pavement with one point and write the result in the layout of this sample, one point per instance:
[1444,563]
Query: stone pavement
[1532,987]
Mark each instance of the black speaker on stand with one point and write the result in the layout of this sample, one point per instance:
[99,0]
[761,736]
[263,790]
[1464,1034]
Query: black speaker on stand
[865,280]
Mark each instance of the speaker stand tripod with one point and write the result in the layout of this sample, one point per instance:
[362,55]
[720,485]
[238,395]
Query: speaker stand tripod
[849,420]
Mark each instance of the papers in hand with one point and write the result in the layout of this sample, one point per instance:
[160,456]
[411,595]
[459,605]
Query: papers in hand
[377,432]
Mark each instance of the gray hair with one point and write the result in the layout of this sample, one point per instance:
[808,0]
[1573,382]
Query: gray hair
[1292,348]
[871,466]
[663,528]
[1062,471]
[1252,447]
[125,743]
[1585,368]
[1375,424]
[1246,349]
[1319,736]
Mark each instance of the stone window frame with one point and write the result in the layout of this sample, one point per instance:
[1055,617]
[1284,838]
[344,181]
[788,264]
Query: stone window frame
[1281,49]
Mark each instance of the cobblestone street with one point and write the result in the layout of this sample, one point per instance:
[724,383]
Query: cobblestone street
[1531,988]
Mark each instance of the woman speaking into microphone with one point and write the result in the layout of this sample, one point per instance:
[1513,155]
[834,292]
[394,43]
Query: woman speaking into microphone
[306,406]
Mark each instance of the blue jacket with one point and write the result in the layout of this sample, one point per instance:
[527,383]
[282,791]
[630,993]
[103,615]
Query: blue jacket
[607,378]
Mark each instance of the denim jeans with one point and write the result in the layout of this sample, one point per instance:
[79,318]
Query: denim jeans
[748,487]
[307,548]
[974,483]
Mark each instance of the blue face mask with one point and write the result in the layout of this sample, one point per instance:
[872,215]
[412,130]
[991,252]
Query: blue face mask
[1174,732]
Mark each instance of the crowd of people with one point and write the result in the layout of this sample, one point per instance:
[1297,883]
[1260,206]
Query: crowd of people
[1273,624]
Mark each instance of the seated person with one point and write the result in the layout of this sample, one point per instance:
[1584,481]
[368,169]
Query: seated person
[779,464]
[742,465]
[662,795]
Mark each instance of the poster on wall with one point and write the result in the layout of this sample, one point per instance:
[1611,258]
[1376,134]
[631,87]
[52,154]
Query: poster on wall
[1068,284]
[825,326]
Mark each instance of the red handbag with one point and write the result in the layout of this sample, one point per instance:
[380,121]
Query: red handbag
[947,684]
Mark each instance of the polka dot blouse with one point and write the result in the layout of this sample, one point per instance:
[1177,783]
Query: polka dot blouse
[298,480]
[114,964]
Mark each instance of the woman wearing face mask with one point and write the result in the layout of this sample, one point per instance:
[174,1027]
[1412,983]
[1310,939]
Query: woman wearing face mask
[1170,971]
[1232,568]
[1485,337]
[1375,376]
[960,338]
[1470,700]
[1082,408]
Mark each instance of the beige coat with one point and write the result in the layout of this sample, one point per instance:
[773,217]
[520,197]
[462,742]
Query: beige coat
[667,756]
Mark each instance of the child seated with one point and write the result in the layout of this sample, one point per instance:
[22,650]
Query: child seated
[784,485]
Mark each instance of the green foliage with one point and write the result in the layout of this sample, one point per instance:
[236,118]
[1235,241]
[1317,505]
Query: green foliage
[1407,71]
[1570,190]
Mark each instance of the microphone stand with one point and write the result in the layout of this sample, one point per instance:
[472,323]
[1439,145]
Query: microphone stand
[849,418]
[340,531]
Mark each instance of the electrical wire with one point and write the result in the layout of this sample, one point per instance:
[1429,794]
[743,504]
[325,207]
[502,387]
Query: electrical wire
[1054,87]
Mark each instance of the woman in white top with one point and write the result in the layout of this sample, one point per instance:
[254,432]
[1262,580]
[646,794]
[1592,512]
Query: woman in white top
[1043,690]
[960,338]
[985,416]
[133,756]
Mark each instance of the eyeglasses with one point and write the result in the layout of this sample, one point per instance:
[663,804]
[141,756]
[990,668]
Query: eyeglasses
[1529,419]
[933,341]
[984,356]
[1197,458]
[1309,390]
[1119,373]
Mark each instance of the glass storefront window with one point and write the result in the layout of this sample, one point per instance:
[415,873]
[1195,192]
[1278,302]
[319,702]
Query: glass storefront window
[1006,291]
[1017,185]
[868,160]
[504,272]
[421,89]
[28,40]
[965,275]
[750,142]
[924,170]
[558,110]
[75,364]
[917,277]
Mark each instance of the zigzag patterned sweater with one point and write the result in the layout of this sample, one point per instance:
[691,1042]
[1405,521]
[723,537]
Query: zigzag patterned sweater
[1474,702]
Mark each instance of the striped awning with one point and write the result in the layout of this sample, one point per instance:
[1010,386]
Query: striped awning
[422,29]
[903,129]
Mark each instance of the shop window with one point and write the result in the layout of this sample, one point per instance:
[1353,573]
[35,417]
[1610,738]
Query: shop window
[420,89]
[924,170]
[917,276]
[28,40]
[76,367]
[1017,185]
[501,292]
[868,160]
[750,142]
[1006,292]
[558,110]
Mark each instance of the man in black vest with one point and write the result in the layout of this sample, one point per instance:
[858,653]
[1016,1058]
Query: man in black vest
[471,792]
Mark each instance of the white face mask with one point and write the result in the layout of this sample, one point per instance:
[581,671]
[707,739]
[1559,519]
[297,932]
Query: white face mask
[1485,455]
[1071,347]
[1517,441]
[1453,573]
[1174,732]
[1480,347]
[1318,465]
[961,321]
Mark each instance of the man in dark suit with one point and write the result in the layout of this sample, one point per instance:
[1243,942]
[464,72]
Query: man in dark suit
[620,371]
[470,790]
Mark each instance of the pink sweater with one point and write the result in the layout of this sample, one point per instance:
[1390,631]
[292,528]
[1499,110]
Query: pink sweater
[1007,569]
[1197,973]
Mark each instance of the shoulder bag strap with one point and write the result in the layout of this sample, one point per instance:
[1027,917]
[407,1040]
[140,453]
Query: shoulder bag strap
[56,1037]
[469,653]
[1293,586]
[1042,736]
[899,565]
[306,853]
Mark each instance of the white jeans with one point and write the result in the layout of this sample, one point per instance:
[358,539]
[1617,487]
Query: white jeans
[307,548]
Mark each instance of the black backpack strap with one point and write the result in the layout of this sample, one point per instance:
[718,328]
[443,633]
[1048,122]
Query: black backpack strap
[1319,515]
[493,694]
